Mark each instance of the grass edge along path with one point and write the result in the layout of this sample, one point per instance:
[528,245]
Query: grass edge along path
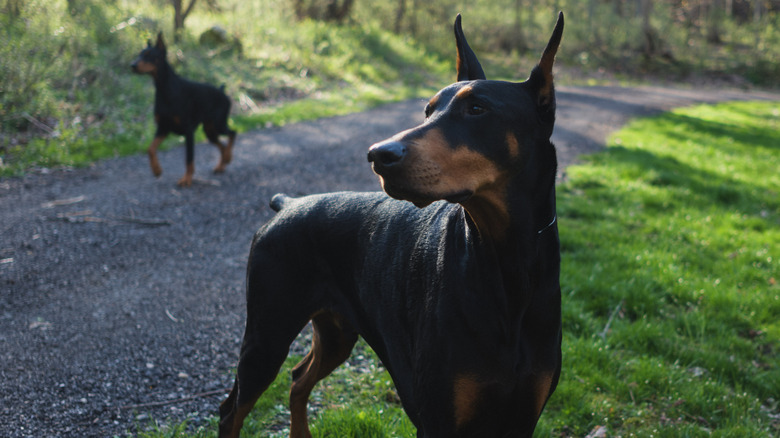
[73,149]
[670,239]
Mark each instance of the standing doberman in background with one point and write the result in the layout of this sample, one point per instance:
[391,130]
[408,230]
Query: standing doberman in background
[180,106]
[460,299]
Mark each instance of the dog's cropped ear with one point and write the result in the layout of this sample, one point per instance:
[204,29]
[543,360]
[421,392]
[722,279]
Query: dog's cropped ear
[468,65]
[160,43]
[542,75]
[148,43]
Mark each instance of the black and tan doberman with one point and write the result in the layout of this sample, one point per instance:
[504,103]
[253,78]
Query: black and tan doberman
[459,299]
[180,106]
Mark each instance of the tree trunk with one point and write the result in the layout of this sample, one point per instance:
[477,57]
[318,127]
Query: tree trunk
[650,46]
[179,15]
[413,18]
[338,12]
[713,15]
[399,16]
[323,10]
[757,20]
[520,43]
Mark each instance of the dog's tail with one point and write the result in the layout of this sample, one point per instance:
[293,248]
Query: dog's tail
[279,200]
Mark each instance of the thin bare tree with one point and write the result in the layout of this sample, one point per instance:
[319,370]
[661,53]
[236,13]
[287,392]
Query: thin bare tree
[179,15]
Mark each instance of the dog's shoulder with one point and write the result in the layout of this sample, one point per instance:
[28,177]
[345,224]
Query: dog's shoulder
[350,216]
[200,89]
[338,208]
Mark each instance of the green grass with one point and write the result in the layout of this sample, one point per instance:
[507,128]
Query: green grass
[358,400]
[671,292]
[69,72]
[669,242]
[67,97]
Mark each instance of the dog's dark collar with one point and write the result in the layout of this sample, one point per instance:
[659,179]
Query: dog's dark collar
[555,218]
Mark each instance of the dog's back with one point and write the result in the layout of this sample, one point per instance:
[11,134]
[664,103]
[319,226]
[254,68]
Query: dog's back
[201,102]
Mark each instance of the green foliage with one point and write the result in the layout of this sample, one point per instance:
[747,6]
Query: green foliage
[360,401]
[68,96]
[363,423]
[671,294]
[154,429]
[602,36]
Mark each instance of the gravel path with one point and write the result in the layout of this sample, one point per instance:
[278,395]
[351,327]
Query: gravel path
[121,295]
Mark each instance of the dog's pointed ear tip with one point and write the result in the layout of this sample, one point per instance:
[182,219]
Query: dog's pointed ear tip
[160,41]
[559,23]
[557,33]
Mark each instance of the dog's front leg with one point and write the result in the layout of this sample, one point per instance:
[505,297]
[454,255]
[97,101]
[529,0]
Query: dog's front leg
[186,180]
[154,163]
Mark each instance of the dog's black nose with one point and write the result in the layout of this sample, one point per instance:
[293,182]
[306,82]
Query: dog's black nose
[387,154]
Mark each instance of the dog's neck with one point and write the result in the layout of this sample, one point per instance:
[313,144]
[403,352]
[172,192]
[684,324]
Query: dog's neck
[489,216]
[522,207]
[544,209]
[163,74]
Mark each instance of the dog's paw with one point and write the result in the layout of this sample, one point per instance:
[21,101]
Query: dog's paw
[185,181]
[156,168]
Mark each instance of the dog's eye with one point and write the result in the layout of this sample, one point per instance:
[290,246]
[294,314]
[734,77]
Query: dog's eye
[476,110]
[428,110]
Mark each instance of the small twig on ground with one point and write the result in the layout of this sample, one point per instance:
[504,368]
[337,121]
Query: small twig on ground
[211,182]
[82,216]
[59,202]
[604,332]
[170,315]
[174,401]
[135,220]
[37,123]
[78,217]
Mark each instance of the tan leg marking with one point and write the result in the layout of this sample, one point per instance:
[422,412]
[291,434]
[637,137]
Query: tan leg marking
[542,390]
[186,180]
[154,163]
[222,162]
[227,157]
[330,348]
[466,391]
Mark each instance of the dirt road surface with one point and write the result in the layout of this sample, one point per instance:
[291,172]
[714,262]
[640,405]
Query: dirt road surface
[121,295]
